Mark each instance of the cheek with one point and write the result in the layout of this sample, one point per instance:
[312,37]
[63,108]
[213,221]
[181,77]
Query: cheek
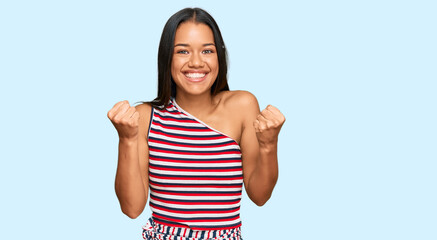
[213,63]
[175,67]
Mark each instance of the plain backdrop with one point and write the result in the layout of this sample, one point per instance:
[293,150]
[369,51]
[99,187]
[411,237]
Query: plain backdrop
[356,81]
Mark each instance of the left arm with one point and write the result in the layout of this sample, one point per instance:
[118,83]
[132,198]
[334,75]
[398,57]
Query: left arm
[259,144]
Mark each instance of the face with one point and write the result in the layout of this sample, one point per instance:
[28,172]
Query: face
[194,66]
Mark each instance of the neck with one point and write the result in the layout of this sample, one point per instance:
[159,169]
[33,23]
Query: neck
[196,105]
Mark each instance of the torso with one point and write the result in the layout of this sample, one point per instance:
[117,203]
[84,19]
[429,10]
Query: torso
[195,172]
[230,114]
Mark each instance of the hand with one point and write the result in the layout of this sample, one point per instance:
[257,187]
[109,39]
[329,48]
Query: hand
[267,126]
[125,120]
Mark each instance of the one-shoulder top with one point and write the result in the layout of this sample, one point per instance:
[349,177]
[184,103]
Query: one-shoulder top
[195,172]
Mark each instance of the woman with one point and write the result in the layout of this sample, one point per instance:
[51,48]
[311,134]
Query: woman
[197,143]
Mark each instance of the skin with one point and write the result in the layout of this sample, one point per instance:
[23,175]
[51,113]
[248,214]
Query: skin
[235,113]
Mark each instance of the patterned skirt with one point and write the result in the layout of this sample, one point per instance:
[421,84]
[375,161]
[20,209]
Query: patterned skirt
[156,231]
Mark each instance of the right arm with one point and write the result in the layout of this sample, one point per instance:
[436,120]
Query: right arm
[132,180]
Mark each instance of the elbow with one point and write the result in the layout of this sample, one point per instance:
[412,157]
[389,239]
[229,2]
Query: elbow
[132,216]
[131,213]
[132,210]
[131,206]
[260,203]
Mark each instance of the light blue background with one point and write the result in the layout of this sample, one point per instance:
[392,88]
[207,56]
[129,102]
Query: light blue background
[355,79]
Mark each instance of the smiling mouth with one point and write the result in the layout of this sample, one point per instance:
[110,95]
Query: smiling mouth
[195,77]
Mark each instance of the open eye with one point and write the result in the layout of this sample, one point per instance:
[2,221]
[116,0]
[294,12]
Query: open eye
[182,52]
[207,51]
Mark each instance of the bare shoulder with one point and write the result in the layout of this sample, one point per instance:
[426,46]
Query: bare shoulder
[243,102]
[240,99]
[144,110]
[242,107]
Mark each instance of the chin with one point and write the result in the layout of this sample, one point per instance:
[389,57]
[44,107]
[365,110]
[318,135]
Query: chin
[194,90]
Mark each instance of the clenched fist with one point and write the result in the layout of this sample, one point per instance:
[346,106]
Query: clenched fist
[125,120]
[267,126]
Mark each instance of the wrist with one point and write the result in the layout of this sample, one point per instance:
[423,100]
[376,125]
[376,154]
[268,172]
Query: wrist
[128,141]
[268,148]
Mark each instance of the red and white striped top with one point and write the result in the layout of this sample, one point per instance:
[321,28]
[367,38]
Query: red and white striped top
[195,172]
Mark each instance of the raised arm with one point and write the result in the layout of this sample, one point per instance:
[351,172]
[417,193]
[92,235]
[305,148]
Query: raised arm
[259,146]
[132,180]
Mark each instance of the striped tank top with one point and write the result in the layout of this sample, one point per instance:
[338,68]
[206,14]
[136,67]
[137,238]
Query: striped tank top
[195,172]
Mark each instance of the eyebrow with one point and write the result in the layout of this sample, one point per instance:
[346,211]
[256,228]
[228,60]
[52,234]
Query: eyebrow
[187,45]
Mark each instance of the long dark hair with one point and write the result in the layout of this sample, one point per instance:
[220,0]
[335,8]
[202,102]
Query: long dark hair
[166,85]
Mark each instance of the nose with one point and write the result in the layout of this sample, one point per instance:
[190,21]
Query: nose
[196,61]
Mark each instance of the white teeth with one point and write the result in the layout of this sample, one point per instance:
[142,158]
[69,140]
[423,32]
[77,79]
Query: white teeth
[195,75]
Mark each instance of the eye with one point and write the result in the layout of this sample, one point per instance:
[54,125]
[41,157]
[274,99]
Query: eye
[182,52]
[207,51]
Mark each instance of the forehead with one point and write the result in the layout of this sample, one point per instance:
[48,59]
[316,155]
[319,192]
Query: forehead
[192,32]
